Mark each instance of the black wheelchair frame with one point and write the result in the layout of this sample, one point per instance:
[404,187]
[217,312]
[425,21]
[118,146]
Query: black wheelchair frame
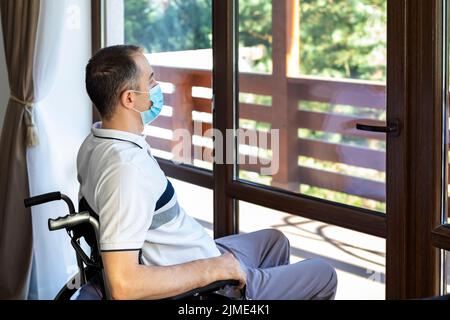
[85,224]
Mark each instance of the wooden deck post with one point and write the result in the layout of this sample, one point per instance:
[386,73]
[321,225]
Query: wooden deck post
[285,46]
[182,106]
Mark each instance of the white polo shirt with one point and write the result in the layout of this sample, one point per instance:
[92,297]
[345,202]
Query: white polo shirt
[136,203]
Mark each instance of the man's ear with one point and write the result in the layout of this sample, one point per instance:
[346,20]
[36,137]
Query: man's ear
[127,99]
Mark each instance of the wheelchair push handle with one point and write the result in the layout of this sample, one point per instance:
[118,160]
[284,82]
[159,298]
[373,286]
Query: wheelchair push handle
[68,221]
[43,198]
[49,197]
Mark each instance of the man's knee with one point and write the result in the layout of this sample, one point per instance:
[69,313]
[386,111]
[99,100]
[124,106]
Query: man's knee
[280,240]
[276,236]
[328,279]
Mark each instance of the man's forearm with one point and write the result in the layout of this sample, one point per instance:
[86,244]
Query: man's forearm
[154,282]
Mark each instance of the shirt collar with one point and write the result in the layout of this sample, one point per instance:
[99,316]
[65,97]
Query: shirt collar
[98,131]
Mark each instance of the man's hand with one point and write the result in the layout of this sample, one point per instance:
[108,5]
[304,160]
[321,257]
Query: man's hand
[231,269]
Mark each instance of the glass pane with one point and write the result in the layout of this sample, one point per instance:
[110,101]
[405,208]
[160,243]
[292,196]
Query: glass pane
[179,49]
[359,259]
[300,99]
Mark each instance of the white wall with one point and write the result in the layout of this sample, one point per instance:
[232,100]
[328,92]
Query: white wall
[4,85]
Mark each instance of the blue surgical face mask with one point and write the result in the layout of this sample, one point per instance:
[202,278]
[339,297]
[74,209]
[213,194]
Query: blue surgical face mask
[157,99]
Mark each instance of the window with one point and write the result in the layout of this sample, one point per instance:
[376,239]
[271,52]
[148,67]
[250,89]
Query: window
[308,72]
[301,98]
[179,49]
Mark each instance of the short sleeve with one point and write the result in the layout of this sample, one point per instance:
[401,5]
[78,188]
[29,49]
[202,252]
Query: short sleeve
[126,208]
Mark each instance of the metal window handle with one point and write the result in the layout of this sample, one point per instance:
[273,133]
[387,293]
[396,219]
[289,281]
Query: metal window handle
[391,128]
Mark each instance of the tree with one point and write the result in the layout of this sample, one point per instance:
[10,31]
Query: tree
[168,25]
[343,38]
[338,38]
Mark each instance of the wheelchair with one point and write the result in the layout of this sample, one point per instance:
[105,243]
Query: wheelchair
[90,281]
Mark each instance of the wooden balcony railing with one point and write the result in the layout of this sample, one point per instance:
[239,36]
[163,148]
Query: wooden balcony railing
[358,94]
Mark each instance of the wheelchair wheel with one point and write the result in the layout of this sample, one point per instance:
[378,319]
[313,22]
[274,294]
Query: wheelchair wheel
[88,291]
[67,291]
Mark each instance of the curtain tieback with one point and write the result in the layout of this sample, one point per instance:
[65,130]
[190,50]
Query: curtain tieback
[32,134]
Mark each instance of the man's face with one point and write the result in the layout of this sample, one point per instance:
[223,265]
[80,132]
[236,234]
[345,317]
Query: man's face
[146,82]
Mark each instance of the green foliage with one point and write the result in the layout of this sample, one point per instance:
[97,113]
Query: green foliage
[168,25]
[255,29]
[343,38]
[338,38]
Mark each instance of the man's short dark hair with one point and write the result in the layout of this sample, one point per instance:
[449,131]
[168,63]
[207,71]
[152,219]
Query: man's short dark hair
[109,72]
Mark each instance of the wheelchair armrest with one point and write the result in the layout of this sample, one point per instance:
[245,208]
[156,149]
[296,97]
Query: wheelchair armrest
[214,286]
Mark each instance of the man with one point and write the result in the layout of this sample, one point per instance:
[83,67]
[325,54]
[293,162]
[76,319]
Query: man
[150,247]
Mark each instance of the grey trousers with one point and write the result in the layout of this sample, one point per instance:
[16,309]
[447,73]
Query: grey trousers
[264,257]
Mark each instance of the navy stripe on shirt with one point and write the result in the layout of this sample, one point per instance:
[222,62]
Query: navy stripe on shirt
[166,196]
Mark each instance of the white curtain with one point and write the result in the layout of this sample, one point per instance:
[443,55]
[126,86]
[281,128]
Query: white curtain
[4,83]
[62,116]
